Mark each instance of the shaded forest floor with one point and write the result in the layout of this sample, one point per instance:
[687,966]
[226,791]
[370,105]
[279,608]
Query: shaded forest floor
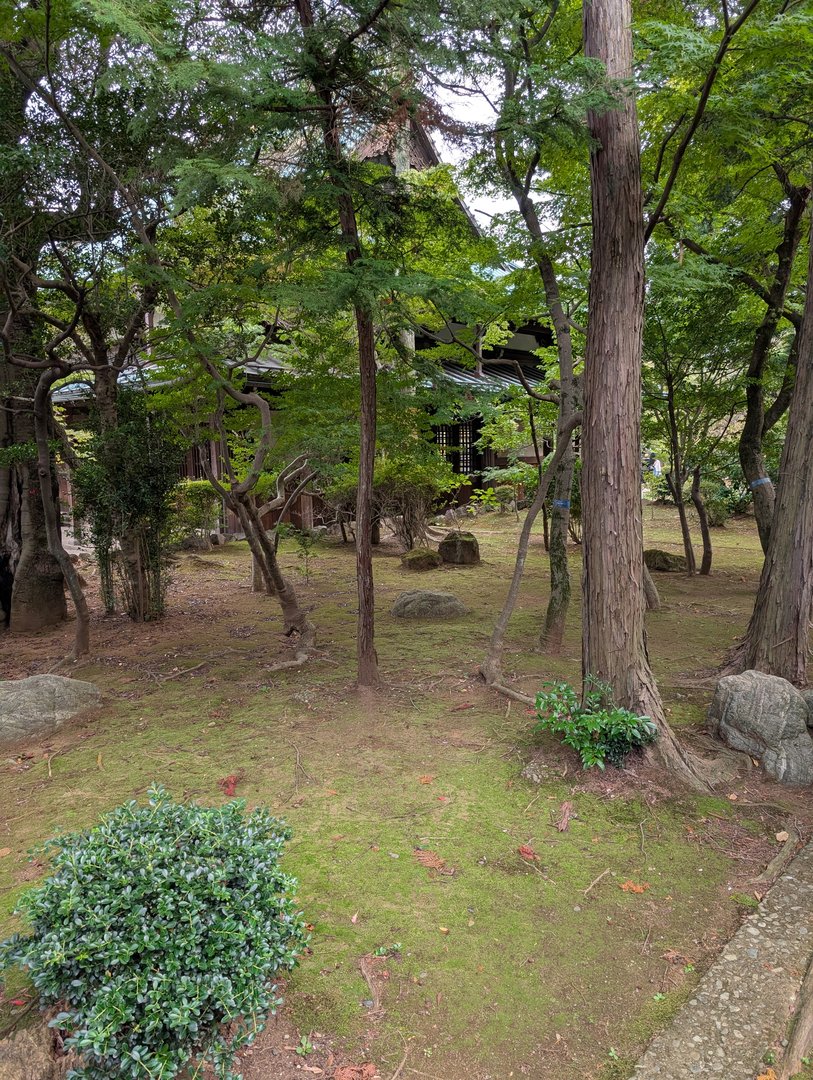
[506,967]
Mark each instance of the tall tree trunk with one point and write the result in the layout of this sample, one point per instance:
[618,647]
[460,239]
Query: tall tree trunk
[42,412]
[703,518]
[778,636]
[677,477]
[367,658]
[752,459]
[613,645]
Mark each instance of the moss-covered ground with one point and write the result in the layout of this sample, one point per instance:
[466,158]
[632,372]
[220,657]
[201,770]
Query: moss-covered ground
[506,967]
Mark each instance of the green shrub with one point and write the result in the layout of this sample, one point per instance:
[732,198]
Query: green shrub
[599,731]
[155,930]
[196,510]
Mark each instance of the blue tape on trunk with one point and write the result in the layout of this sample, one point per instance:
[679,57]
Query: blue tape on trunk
[563,504]
[758,483]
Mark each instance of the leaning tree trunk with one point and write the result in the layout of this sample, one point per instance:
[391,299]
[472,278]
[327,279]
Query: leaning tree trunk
[778,636]
[703,518]
[613,647]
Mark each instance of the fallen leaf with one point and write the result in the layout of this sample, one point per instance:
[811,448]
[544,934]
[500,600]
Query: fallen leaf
[425,779]
[228,784]
[354,918]
[443,798]
[338,836]
[733,798]
[769,1075]
[565,814]
[675,957]
[443,929]
[365,1071]
[631,886]
[525,851]
[4,851]
[780,836]
[313,1069]
[432,861]
[460,708]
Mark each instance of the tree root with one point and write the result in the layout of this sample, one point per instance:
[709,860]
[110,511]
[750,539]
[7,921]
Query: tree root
[304,649]
[780,860]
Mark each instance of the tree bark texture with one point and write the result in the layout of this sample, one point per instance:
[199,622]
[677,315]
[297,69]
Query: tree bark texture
[32,593]
[613,644]
[778,636]
[752,460]
[703,518]
[677,477]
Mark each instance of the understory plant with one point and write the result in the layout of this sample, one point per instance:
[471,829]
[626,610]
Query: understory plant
[158,935]
[595,728]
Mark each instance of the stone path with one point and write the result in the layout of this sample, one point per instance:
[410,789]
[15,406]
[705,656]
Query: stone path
[744,1003]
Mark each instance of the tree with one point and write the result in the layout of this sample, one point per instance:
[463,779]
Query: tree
[778,636]
[613,647]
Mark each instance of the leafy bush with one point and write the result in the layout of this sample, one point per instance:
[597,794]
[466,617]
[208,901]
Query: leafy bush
[196,510]
[155,930]
[598,731]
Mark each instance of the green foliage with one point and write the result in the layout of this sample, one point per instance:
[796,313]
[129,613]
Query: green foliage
[125,486]
[155,929]
[305,540]
[595,728]
[483,499]
[196,509]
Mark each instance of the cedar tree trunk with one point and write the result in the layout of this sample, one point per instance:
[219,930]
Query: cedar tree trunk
[613,645]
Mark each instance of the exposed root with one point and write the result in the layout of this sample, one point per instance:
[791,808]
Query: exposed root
[304,649]
[780,860]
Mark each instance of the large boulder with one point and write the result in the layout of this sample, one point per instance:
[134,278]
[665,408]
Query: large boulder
[665,561]
[27,1055]
[35,707]
[808,696]
[460,548]
[421,558]
[422,604]
[766,717]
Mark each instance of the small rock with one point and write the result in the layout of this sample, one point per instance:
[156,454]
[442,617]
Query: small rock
[421,558]
[665,561]
[35,707]
[422,604]
[460,549]
[766,717]
[27,1055]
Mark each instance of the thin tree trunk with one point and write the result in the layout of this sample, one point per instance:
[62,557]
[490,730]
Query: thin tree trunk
[651,595]
[752,459]
[367,657]
[676,478]
[778,636]
[703,518]
[81,645]
[613,645]
[491,668]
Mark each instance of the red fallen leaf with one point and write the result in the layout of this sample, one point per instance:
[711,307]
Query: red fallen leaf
[443,798]
[525,851]
[228,784]
[432,861]
[631,886]
[18,1001]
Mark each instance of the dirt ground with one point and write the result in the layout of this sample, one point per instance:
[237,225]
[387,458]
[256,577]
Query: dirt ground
[559,965]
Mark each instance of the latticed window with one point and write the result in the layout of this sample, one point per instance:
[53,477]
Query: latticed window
[442,439]
[466,464]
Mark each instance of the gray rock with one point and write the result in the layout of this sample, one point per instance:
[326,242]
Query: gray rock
[766,717]
[808,696]
[422,604]
[460,548]
[36,707]
[421,558]
[665,561]
[27,1055]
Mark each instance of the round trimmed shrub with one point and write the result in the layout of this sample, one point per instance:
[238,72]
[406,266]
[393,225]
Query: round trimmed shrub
[159,933]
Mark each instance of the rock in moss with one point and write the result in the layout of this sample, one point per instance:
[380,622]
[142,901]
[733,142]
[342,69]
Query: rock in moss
[422,604]
[421,558]
[35,707]
[460,548]
[26,1055]
[665,561]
